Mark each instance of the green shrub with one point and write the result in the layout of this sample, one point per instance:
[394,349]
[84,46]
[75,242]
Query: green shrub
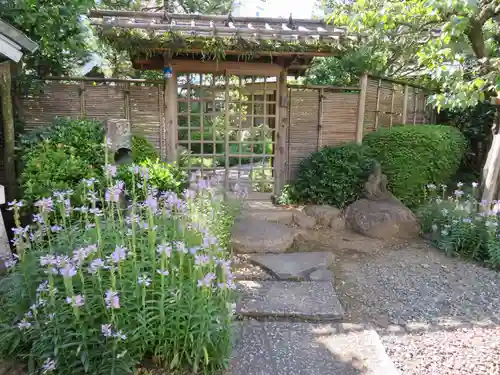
[59,156]
[333,175]
[143,150]
[160,176]
[118,289]
[413,156]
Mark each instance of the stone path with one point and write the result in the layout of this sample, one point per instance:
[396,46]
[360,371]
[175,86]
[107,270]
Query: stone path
[292,322]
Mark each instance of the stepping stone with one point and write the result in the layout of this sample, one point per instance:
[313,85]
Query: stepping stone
[314,300]
[283,348]
[261,236]
[275,215]
[321,274]
[293,266]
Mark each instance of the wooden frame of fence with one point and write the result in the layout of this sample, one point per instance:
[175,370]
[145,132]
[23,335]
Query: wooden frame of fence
[310,117]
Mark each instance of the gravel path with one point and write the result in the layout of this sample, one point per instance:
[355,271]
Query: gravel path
[436,315]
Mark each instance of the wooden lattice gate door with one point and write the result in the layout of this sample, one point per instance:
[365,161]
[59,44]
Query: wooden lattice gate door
[227,127]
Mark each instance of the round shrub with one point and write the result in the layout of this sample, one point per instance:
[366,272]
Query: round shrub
[413,156]
[334,175]
[160,176]
[143,150]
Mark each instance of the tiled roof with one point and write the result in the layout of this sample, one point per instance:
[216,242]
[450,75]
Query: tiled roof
[263,28]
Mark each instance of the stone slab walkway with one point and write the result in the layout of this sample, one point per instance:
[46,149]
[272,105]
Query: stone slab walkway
[292,321]
[294,266]
[284,348]
[312,300]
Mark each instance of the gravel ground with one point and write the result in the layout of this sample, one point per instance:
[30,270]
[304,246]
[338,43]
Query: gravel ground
[243,269]
[435,315]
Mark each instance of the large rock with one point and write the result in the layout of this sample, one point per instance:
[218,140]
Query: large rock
[383,219]
[324,214]
[251,235]
[303,220]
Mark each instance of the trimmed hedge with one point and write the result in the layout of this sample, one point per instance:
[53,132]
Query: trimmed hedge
[333,175]
[414,156]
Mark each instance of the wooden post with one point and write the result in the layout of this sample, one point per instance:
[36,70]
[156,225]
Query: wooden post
[393,89]
[226,134]
[282,128]
[405,105]
[126,101]
[8,130]
[320,119]
[377,104]
[171,127]
[415,105]
[83,105]
[361,108]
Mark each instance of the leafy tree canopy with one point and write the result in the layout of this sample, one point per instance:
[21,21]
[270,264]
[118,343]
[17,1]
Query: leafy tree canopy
[65,38]
[452,44]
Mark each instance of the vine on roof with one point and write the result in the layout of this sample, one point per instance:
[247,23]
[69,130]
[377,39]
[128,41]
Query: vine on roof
[142,41]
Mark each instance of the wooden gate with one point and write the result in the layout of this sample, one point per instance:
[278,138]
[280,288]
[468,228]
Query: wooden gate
[227,127]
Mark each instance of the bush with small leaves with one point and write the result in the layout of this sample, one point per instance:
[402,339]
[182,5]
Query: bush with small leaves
[114,288]
[333,175]
[413,156]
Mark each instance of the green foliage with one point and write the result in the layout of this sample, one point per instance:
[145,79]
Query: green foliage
[61,155]
[475,123]
[345,69]
[460,225]
[116,288]
[461,60]
[143,150]
[141,41]
[161,177]
[413,156]
[287,196]
[334,175]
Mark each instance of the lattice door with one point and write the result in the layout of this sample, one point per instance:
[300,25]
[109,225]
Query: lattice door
[227,126]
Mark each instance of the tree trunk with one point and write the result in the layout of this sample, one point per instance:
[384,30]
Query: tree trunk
[491,169]
[8,130]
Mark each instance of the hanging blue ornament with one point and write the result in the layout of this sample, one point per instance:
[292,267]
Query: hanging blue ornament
[167,72]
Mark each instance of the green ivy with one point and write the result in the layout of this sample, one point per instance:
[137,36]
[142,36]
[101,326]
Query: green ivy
[140,41]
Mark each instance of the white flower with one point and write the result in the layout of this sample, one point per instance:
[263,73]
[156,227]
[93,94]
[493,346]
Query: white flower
[144,280]
[48,366]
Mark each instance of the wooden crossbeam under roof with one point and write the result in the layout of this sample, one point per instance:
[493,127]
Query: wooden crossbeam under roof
[261,38]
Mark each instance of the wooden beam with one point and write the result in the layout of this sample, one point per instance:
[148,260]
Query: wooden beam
[8,130]
[361,109]
[265,53]
[230,67]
